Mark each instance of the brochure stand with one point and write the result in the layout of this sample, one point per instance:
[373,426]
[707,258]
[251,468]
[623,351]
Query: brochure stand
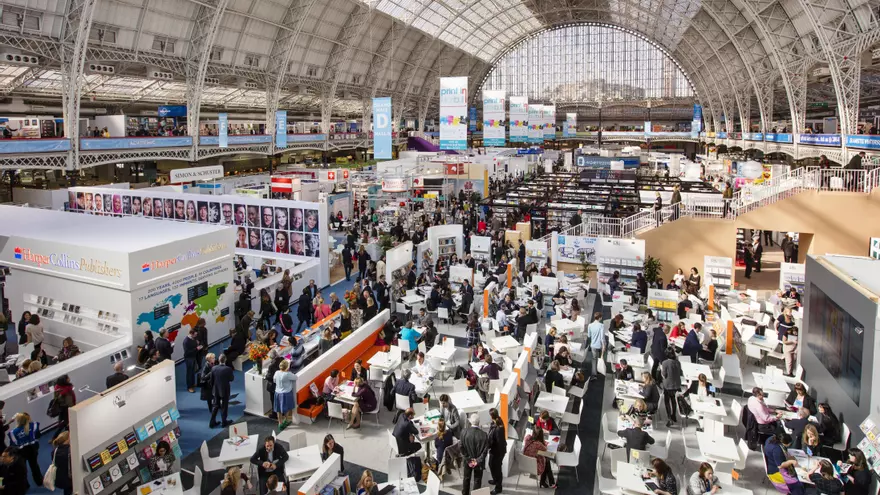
[664,303]
[718,271]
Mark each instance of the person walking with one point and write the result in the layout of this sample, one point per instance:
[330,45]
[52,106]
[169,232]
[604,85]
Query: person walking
[191,349]
[24,437]
[497,449]
[222,376]
[206,380]
[726,197]
[671,371]
[346,261]
[61,461]
[304,309]
[757,252]
[64,398]
[474,447]
[596,334]
[749,260]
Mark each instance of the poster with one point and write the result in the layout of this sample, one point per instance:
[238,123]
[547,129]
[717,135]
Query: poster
[223,120]
[493,118]
[453,113]
[281,129]
[697,123]
[519,116]
[570,129]
[647,128]
[472,119]
[536,128]
[382,128]
[548,117]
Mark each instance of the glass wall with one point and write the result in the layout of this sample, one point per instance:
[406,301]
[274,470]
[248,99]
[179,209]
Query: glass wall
[587,63]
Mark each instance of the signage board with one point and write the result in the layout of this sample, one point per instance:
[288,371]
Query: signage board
[395,184]
[196,173]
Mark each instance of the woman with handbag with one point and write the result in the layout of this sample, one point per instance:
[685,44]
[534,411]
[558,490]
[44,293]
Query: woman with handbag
[60,470]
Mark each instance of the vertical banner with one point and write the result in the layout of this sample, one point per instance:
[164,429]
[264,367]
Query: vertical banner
[382,128]
[697,124]
[453,113]
[571,124]
[536,127]
[549,118]
[493,118]
[519,116]
[472,119]
[281,129]
[647,128]
[223,124]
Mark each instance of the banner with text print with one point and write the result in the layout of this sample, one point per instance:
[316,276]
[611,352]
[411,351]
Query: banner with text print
[549,119]
[570,129]
[453,113]
[223,121]
[382,128]
[519,119]
[493,117]
[281,129]
[536,127]
[697,122]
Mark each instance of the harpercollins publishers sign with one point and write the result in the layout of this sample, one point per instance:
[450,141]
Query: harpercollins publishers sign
[196,173]
[394,185]
[64,260]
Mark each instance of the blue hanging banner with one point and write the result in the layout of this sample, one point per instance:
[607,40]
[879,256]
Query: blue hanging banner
[472,119]
[382,128]
[697,123]
[224,129]
[281,129]
[172,111]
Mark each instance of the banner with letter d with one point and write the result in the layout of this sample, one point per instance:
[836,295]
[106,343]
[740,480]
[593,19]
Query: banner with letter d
[493,118]
[453,113]
[382,128]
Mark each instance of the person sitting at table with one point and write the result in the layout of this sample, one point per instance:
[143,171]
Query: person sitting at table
[441,442]
[799,397]
[575,310]
[366,401]
[563,357]
[450,414]
[691,346]
[358,371]
[792,293]
[559,298]
[829,424]
[367,485]
[533,444]
[797,426]
[162,462]
[434,299]
[635,437]
[234,482]
[447,303]
[422,367]
[783,323]
[409,334]
[478,352]
[701,387]
[522,324]
[501,321]
[639,338]
[490,369]
[429,336]
[709,348]
[269,459]
[764,416]
[423,318]
[639,409]
[549,342]
[666,481]
[703,481]
[679,330]
[507,305]
[651,392]
[616,323]
[274,485]
[553,377]
[407,436]
[858,478]
[810,440]
[578,379]
[781,466]
[330,385]
[547,423]
[684,306]
[614,283]
[561,341]
[329,447]
[823,477]
[625,372]
[405,388]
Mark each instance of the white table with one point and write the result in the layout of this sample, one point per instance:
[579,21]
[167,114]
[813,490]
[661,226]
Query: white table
[504,343]
[468,401]
[169,485]
[441,352]
[402,487]
[557,404]
[345,391]
[303,462]
[628,389]
[692,371]
[411,300]
[771,383]
[629,479]
[718,448]
[234,455]
[708,405]
[634,359]
[763,342]
[552,443]
[384,361]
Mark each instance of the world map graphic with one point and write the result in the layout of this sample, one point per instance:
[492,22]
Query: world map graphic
[186,314]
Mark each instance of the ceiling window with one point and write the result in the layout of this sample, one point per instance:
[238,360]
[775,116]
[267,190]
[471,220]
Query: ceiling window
[164,45]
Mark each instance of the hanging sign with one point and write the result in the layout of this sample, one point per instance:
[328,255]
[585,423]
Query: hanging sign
[382,128]
[223,124]
[570,129]
[281,129]
[536,127]
[196,173]
[519,116]
[395,184]
[548,117]
[493,118]
[472,119]
[453,112]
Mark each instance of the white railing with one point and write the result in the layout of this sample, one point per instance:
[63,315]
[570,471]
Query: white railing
[840,179]
[872,180]
[751,198]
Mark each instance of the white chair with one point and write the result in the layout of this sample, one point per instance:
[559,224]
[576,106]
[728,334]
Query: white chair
[443,315]
[392,444]
[722,377]
[570,459]
[577,391]
[743,449]
[405,345]
[843,444]
[489,336]
[527,465]
[798,375]
[733,419]
[723,467]
[197,483]
[610,437]
[334,411]
[559,391]
[433,484]
[640,458]
[607,486]
[420,408]
[238,430]
[378,407]
[209,463]
[295,439]
[440,367]
[401,402]
[662,451]
[724,478]
[376,376]
[495,386]
[692,454]
[572,419]
[396,469]
[600,367]
[423,348]
[617,455]
[460,385]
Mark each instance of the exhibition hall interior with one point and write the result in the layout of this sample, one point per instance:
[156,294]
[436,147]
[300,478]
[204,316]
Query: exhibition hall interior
[402,247]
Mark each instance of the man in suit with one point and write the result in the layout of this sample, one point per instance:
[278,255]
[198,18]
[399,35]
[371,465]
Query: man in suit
[532,312]
[164,346]
[467,296]
[381,290]
[222,376]
[191,349]
[117,377]
[404,387]
[635,437]
[474,447]
[313,289]
[407,436]
[269,459]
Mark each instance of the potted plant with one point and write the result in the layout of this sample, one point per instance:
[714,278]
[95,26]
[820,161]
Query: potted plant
[386,242]
[586,268]
[652,269]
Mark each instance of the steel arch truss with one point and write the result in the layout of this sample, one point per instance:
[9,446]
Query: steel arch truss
[340,57]
[77,24]
[87,159]
[54,161]
[213,152]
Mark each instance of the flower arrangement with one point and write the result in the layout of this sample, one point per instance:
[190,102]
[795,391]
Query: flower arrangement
[350,297]
[257,353]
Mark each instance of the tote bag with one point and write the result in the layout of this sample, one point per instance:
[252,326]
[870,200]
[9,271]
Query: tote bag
[49,477]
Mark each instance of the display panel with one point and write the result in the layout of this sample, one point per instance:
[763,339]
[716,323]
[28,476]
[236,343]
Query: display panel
[837,340]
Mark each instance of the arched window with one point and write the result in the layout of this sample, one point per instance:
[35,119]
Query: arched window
[588,63]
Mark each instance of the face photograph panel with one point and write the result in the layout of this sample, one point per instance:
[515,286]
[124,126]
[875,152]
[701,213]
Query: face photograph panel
[148,207]
[226,210]
[158,208]
[179,209]
[240,215]
[117,204]
[80,201]
[281,219]
[71,200]
[137,206]
[297,243]
[253,216]
[108,204]
[268,240]
[254,239]
[281,244]
[169,208]
[296,219]
[191,211]
[88,204]
[313,245]
[203,212]
[99,204]
[311,221]
[241,241]
[267,217]
[126,205]
[214,212]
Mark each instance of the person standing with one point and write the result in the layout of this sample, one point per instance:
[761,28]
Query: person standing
[521,255]
[788,249]
[758,251]
[671,371]
[658,208]
[748,258]
[596,334]
[285,394]
[304,309]
[726,197]
[497,449]
[222,375]
[164,346]
[22,327]
[64,398]
[61,460]
[346,261]
[474,447]
[206,380]
[202,339]
[269,459]
[191,350]
[14,473]
[363,262]
[24,437]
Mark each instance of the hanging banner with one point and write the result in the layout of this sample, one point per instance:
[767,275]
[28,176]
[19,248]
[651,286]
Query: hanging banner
[519,116]
[647,128]
[472,119]
[536,127]
[493,118]
[549,119]
[697,123]
[281,129]
[223,123]
[571,124]
[382,128]
[453,112]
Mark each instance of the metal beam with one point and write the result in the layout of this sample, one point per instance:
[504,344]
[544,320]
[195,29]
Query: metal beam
[340,57]
[75,37]
[205,27]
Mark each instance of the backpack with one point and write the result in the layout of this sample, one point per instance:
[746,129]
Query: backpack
[684,406]
[54,409]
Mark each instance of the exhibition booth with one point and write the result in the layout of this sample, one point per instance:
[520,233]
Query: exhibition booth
[103,282]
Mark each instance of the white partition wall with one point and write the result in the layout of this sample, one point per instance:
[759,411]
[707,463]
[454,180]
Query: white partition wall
[443,233]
